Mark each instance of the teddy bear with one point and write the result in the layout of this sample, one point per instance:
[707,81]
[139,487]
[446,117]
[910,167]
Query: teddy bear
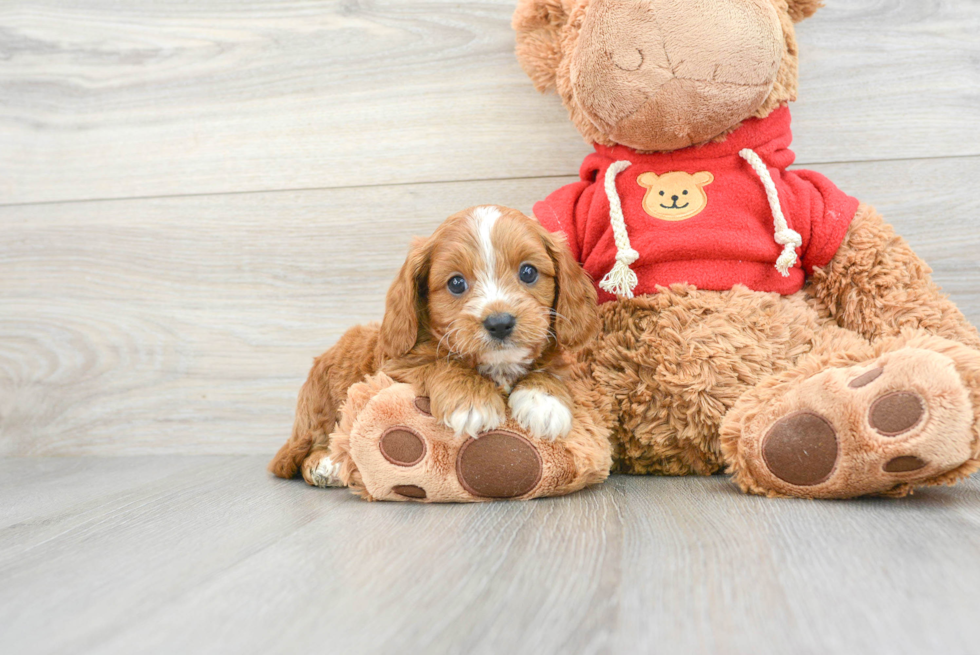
[755,319]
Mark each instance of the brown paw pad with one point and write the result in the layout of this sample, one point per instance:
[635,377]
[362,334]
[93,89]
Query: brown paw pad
[801,449]
[905,464]
[402,447]
[867,378]
[498,464]
[409,490]
[424,405]
[896,413]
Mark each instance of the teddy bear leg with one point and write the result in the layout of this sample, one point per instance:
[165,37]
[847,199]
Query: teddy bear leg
[673,364]
[389,447]
[878,418]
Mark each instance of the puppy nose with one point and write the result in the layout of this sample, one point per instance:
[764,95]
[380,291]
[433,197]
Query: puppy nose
[675,198]
[500,325]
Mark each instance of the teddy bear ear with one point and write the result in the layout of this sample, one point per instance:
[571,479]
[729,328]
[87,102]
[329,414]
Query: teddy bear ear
[648,179]
[800,9]
[538,24]
[703,178]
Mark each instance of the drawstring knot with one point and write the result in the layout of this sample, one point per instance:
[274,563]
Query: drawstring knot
[628,256]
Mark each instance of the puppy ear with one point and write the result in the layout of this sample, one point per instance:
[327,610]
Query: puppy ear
[576,318]
[405,305]
[800,9]
[538,24]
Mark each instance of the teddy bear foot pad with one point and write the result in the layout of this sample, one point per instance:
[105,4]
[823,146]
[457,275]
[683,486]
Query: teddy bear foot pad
[390,447]
[495,465]
[890,425]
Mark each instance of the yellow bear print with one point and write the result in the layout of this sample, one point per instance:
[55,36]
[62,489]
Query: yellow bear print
[675,196]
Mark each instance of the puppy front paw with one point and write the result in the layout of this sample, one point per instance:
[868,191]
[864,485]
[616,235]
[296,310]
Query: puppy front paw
[472,419]
[540,413]
[323,472]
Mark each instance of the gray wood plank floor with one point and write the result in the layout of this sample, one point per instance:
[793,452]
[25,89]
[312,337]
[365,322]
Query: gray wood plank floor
[198,197]
[180,554]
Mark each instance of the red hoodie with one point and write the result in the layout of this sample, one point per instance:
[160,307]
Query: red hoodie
[702,215]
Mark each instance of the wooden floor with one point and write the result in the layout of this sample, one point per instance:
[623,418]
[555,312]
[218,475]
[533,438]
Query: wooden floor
[204,554]
[197,197]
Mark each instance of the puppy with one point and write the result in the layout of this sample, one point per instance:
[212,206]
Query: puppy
[479,318]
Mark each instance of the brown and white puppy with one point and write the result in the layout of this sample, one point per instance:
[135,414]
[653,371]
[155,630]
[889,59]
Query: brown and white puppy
[479,319]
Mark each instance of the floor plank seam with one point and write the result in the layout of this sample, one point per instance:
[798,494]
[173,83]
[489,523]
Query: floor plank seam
[395,185]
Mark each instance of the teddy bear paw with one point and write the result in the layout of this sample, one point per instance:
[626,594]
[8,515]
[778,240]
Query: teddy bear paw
[494,465]
[391,447]
[885,427]
[402,452]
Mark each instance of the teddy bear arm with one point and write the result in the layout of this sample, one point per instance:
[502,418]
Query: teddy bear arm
[877,286]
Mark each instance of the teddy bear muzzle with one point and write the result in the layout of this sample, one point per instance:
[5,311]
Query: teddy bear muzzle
[657,75]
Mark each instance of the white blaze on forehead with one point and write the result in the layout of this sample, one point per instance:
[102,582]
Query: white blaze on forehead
[484,218]
[487,288]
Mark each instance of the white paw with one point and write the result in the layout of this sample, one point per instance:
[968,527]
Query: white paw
[540,413]
[474,420]
[327,474]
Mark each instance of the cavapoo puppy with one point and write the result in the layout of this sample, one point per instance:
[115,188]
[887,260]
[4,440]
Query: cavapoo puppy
[478,320]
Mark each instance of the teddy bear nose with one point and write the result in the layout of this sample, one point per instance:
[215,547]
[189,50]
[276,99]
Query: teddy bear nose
[675,198]
[500,326]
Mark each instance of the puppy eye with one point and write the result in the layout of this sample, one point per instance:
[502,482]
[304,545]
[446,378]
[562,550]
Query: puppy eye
[457,285]
[528,274]
[662,193]
[685,192]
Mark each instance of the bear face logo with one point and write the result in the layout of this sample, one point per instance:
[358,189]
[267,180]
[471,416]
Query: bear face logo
[675,196]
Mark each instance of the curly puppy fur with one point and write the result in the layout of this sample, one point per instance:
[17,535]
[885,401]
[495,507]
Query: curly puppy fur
[438,341]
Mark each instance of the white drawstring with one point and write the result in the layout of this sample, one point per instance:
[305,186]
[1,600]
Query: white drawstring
[790,239]
[621,280]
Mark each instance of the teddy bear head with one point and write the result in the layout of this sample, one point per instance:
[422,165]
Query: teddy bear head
[659,75]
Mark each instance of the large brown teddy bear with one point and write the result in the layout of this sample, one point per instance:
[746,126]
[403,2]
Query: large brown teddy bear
[756,319]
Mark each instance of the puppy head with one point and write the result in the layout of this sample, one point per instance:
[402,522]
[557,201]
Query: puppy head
[492,288]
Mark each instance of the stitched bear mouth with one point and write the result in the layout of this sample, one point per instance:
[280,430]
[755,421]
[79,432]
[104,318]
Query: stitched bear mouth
[676,206]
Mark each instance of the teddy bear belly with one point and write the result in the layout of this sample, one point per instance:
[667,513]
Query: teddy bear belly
[673,363]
